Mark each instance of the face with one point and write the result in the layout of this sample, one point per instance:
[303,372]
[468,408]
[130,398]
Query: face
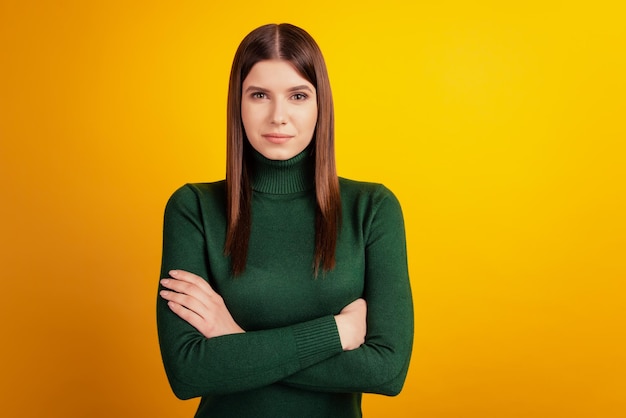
[278,109]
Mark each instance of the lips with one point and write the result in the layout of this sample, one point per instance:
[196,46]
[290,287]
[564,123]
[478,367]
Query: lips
[277,138]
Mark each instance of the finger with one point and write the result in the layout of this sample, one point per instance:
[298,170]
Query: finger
[188,302]
[190,316]
[205,295]
[189,283]
[194,279]
[186,276]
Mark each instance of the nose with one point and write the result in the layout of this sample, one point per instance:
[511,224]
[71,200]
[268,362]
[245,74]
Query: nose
[279,115]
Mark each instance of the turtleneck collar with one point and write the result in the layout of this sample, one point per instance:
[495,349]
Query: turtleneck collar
[282,176]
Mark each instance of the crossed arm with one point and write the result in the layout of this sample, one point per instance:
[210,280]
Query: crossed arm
[194,300]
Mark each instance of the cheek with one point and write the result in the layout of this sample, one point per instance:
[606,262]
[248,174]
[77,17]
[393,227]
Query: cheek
[247,118]
[313,120]
[308,117]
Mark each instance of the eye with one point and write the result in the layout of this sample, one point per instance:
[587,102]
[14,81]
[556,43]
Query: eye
[258,95]
[299,96]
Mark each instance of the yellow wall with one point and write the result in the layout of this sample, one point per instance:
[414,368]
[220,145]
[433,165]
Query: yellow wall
[500,126]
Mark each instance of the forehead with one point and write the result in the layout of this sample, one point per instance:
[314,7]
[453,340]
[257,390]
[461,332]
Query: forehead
[275,74]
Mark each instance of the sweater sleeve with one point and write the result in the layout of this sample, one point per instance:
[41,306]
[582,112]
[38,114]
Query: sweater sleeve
[197,366]
[381,364]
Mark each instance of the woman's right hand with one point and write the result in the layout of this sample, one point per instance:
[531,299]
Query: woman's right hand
[194,300]
[352,324]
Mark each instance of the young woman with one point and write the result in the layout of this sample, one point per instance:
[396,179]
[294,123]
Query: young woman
[285,290]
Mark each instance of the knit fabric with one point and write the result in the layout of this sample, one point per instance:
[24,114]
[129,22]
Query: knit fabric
[289,362]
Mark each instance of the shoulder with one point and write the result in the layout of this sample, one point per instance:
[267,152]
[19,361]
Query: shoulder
[192,195]
[198,190]
[373,207]
[372,203]
[375,193]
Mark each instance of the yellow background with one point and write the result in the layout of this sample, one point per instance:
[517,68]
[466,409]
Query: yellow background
[500,127]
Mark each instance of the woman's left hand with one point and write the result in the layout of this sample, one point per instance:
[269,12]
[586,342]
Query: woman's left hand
[190,297]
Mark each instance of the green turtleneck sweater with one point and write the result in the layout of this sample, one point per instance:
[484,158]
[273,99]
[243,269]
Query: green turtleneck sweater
[289,362]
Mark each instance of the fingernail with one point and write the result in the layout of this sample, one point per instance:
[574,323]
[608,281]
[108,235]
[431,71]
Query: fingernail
[163,293]
[173,273]
[165,282]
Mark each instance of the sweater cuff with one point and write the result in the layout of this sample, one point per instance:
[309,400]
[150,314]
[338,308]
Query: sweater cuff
[317,340]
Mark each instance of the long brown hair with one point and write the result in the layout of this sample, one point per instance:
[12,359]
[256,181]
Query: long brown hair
[292,44]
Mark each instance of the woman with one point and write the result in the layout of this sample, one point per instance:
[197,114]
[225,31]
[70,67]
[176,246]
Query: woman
[285,290]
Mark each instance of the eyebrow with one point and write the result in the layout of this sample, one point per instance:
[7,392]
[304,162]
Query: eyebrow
[290,89]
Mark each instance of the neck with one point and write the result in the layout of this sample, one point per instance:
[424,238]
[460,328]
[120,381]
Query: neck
[282,176]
